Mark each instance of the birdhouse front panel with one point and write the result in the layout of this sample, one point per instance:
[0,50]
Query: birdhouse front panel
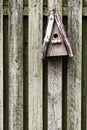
[56,47]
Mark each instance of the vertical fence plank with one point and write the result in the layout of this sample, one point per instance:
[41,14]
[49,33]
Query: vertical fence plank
[15,70]
[1,64]
[35,64]
[55,84]
[74,66]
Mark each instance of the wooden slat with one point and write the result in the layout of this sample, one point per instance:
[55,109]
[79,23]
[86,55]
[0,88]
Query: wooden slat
[55,84]
[1,64]
[74,66]
[15,70]
[35,65]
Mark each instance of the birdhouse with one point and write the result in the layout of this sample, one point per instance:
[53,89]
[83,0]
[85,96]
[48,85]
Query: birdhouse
[55,41]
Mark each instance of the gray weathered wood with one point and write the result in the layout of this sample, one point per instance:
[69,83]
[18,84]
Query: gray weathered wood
[1,64]
[35,65]
[45,11]
[15,59]
[49,27]
[55,84]
[74,66]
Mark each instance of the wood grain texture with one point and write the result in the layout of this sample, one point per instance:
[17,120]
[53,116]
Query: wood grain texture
[74,66]
[55,84]
[35,65]
[54,94]
[15,70]
[1,64]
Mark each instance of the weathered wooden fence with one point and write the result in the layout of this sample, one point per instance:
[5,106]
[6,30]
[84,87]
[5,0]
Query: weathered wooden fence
[36,94]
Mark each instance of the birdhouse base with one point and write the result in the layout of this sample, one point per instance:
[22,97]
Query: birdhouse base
[56,50]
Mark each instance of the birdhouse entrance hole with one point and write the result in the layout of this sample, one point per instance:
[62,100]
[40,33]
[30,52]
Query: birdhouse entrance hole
[55,35]
[56,39]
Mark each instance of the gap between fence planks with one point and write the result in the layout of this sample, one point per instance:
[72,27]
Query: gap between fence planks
[35,104]
[55,83]
[1,64]
[74,66]
[15,70]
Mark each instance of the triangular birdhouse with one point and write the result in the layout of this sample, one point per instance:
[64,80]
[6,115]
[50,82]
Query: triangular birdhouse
[55,41]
